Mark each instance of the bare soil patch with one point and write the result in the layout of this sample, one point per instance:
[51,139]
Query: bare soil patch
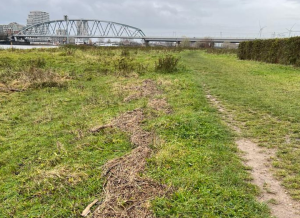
[259,159]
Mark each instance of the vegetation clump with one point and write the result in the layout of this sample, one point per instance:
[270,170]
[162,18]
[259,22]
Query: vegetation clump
[168,64]
[125,53]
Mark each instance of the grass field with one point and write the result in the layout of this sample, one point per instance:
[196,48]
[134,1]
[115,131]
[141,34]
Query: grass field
[264,98]
[50,162]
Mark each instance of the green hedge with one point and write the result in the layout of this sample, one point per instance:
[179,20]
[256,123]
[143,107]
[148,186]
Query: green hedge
[279,51]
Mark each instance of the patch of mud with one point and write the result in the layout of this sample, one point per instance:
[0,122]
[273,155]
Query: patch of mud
[272,193]
[147,89]
[160,105]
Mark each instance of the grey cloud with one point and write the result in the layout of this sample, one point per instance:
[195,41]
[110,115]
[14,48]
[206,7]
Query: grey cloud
[164,17]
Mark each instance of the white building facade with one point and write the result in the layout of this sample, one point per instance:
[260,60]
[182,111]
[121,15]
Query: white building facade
[36,17]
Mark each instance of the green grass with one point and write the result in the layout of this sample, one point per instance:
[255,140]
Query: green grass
[264,98]
[197,156]
[50,163]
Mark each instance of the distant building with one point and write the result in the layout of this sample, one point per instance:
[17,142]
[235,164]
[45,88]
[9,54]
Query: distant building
[12,28]
[36,17]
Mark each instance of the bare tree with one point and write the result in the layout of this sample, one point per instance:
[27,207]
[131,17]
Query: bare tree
[186,43]
[206,43]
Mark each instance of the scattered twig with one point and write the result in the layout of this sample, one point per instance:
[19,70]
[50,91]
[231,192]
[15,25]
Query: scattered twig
[98,128]
[87,210]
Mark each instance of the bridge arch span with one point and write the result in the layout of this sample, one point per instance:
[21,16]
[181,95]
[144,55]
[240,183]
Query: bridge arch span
[81,28]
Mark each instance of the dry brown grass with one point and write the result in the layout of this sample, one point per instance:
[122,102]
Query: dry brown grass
[62,174]
[160,105]
[31,78]
[147,89]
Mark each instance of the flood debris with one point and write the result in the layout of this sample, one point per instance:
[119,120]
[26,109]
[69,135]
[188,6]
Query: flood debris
[160,105]
[127,192]
[147,89]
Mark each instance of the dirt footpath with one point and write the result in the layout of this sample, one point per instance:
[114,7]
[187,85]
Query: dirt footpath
[259,159]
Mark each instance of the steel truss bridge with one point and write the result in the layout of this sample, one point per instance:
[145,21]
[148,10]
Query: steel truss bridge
[83,28]
[80,28]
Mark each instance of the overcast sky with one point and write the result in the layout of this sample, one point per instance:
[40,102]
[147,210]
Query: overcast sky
[241,18]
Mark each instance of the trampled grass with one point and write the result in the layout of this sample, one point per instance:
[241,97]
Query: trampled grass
[264,98]
[50,163]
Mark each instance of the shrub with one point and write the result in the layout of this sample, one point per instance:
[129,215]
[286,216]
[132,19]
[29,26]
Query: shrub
[167,64]
[206,43]
[123,66]
[125,53]
[185,43]
[281,51]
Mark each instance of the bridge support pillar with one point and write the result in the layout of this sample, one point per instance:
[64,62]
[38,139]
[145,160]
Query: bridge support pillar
[147,43]
[178,44]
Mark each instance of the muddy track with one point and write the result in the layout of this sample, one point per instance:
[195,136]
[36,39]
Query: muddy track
[127,193]
[259,159]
